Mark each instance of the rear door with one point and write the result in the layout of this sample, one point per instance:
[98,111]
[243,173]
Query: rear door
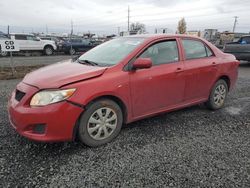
[200,69]
[22,41]
[160,86]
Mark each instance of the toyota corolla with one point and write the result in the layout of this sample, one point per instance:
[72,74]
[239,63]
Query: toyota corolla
[118,82]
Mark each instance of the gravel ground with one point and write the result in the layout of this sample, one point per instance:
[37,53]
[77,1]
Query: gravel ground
[34,60]
[193,147]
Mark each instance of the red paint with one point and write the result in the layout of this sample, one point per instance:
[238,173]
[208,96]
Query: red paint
[144,92]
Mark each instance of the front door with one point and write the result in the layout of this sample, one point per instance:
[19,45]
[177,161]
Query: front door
[160,86]
[34,43]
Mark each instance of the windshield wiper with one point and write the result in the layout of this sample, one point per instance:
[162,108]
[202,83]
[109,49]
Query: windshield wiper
[87,62]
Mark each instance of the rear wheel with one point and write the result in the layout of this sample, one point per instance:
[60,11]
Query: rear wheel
[100,123]
[48,50]
[218,95]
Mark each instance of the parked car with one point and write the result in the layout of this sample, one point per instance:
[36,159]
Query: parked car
[31,43]
[118,82]
[240,49]
[78,45]
[3,36]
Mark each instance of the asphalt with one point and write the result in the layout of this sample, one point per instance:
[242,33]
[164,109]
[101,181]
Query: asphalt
[193,147]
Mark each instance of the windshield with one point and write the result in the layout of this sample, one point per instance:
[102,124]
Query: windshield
[112,52]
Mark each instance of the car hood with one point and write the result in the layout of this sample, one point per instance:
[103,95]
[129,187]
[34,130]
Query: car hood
[60,74]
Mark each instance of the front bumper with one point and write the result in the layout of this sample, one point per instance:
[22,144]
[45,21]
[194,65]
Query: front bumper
[58,119]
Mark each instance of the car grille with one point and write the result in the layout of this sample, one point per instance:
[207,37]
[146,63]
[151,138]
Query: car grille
[19,95]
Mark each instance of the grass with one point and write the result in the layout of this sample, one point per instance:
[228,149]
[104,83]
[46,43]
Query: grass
[19,71]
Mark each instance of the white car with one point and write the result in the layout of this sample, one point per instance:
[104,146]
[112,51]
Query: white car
[29,42]
[3,37]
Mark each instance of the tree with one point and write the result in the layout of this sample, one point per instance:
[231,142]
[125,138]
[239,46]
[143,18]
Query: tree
[182,26]
[137,27]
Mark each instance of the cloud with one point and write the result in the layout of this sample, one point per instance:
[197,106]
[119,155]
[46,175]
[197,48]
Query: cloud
[109,14]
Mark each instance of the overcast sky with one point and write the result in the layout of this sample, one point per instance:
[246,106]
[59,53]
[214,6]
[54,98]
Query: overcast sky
[105,16]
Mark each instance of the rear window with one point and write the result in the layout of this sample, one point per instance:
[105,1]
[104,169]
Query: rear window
[20,37]
[245,40]
[195,49]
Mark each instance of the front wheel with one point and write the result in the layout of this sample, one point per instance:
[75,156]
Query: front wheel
[218,95]
[100,123]
[3,53]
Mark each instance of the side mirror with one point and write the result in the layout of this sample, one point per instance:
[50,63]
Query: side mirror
[142,63]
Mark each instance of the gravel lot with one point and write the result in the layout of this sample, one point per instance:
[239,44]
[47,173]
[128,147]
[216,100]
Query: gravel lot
[193,147]
[29,61]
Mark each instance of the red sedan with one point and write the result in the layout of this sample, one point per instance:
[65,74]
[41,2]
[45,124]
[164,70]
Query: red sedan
[120,81]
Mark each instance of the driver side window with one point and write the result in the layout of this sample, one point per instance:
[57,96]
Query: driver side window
[162,52]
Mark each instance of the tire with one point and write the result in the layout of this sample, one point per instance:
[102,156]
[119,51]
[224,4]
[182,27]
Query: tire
[218,95]
[72,51]
[48,50]
[91,129]
[3,54]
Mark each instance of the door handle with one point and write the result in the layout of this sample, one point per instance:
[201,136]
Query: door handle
[179,70]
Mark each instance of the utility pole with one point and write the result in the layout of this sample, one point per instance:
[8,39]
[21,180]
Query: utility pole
[128,18]
[235,22]
[46,29]
[8,31]
[11,55]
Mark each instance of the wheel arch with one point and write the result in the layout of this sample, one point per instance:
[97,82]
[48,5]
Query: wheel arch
[116,99]
[226,79]
[48,45]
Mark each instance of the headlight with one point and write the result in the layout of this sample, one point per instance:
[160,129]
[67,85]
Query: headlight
[46,97]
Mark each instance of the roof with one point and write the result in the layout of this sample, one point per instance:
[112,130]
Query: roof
[158,36]
[21,34]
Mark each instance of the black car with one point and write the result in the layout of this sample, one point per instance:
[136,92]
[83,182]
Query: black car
[78,45]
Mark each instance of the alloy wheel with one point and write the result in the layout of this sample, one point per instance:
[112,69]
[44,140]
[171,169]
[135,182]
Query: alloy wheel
[220,95]
[72,51]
